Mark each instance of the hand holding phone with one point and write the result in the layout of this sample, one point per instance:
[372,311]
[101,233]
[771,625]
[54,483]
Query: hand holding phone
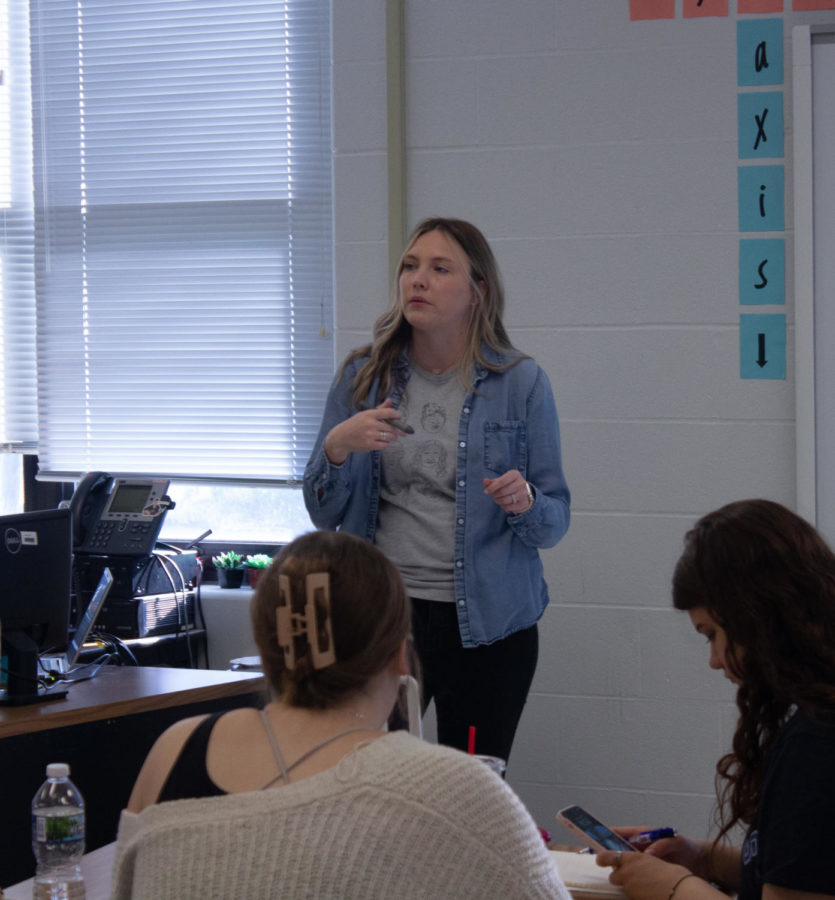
[591,831]
[645,838]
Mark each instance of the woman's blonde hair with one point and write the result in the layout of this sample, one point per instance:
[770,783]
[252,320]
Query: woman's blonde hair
[392,332]
[370,617]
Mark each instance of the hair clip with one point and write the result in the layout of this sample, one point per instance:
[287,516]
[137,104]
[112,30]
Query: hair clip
[308,628]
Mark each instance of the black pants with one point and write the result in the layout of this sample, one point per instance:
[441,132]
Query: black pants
[483,686]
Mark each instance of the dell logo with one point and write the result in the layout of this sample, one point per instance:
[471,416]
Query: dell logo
[12,540]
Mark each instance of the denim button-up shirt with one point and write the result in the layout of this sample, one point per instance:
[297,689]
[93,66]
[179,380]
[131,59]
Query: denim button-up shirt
[509,421]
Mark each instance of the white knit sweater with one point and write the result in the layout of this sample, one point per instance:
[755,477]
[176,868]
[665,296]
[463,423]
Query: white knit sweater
[398,818]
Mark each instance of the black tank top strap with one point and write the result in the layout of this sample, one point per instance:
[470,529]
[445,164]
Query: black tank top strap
[188,777]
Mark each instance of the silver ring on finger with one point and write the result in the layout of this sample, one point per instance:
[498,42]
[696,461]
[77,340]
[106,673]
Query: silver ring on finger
[618,860]
[382,435]
[513,499]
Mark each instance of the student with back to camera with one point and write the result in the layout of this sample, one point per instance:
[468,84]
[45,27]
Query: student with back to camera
[310,797]
[759,584]
[440,443]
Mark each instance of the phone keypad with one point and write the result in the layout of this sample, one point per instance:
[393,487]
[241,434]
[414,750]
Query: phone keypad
[129,536]
[100,538]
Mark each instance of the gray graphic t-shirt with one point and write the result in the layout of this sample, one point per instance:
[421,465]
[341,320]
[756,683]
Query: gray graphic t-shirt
[416,521]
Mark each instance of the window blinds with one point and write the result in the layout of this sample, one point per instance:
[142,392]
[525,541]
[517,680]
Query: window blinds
[183,235]
[18,386]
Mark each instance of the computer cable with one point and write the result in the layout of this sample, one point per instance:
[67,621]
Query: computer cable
[182,611]
[123,652]
[80,673]
[198,599]
[198,608]
[42,681]
[88,670]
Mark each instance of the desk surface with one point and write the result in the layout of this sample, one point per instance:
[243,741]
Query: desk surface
[96,868]
[126,690]
[583,878]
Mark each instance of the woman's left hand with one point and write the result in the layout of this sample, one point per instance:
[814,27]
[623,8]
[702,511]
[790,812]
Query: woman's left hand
[509,491]
[642,876]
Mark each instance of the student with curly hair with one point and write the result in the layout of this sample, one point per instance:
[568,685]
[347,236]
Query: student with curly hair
[759,584]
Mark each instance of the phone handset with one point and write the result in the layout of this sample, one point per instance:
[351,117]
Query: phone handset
[87,503]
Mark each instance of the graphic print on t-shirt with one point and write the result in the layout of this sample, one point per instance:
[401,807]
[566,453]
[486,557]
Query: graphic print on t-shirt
[395,472]
[432,417]
[416,515]
[749,848]
[421,462]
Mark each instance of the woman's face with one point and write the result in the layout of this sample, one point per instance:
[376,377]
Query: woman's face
[706,625]
[435,289]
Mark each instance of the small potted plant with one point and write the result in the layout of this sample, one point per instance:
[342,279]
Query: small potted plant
[256,565]
[230,569]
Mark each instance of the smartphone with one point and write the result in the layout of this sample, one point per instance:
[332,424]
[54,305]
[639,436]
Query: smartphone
[590,831]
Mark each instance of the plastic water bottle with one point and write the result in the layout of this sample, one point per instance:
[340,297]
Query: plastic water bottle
[58,837]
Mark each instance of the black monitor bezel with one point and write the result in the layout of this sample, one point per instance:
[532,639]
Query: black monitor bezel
[35,584]
[42,605]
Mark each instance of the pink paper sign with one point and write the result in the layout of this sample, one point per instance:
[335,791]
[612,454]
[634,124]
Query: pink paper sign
[813,4]
[759,6]
[652,9]
[694,8]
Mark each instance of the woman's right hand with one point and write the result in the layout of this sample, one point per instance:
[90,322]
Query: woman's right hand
[367,430]
[641,876]
[682,851]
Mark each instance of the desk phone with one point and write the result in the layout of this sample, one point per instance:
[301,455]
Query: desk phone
[118,516]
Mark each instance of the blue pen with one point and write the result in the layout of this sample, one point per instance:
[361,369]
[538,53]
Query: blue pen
[649,837]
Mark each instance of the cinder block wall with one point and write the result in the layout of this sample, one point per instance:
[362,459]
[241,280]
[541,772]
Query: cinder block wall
[599,156]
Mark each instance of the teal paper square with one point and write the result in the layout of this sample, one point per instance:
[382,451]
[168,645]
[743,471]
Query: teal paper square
[761,198]
[760,125]
[762,271]
[762,346]
[759,52]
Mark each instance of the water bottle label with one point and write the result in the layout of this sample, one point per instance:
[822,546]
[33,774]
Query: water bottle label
[59,829]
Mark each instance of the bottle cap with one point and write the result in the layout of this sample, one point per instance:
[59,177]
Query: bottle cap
[57,770]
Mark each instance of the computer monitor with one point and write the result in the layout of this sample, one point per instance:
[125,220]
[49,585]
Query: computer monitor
[35,580]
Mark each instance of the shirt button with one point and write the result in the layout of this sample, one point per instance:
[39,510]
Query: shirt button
[458,564]
[460,521]
[460,602]
[466,410]
[461,483]
[462,443]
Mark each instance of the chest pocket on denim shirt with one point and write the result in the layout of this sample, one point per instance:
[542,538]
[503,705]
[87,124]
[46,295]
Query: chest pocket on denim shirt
[505,446]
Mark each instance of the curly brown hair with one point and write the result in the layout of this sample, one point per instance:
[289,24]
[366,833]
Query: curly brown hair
[767,578]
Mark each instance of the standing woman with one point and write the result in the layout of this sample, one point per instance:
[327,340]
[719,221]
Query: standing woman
[440,443]
[759,584]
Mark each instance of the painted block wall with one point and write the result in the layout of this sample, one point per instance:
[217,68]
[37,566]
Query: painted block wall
[599,156]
